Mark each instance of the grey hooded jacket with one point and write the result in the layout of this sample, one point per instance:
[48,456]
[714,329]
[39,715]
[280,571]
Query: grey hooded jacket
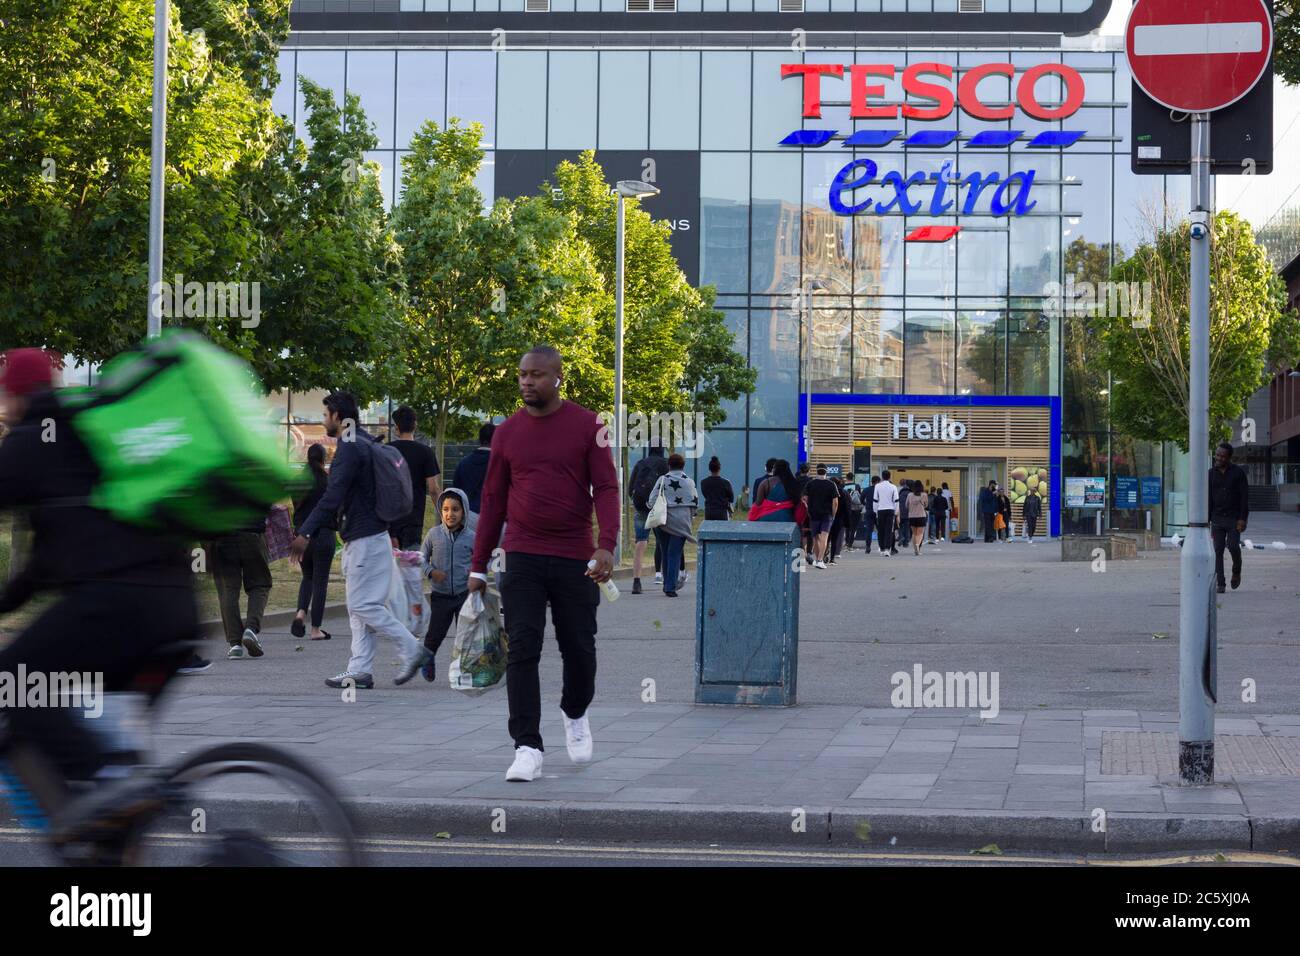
[448,552]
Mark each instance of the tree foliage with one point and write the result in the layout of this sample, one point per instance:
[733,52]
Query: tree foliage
[1250,332]
[1286,40]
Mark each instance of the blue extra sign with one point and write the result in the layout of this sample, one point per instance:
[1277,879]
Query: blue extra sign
[1152,491]
[1126,492]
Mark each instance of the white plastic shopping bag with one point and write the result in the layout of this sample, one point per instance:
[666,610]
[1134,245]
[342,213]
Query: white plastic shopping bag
[478,655]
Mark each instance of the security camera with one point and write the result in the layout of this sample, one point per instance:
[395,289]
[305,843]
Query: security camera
[1199,231]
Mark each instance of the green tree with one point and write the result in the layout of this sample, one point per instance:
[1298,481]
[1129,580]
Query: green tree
[481,288]
[74,187]
[1286,40]
[678,352]
[1251,332]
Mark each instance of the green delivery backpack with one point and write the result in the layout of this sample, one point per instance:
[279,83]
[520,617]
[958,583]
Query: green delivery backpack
[181,439]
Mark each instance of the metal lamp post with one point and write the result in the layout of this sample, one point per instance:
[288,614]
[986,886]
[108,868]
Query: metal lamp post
[157,168]
[626,189]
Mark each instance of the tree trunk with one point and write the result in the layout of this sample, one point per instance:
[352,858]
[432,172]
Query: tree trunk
[441,439]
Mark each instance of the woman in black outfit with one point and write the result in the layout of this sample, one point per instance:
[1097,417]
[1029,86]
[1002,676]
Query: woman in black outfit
[319,556]
[719,499]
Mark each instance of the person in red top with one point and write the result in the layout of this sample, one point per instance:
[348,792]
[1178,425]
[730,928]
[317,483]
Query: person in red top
[548,469]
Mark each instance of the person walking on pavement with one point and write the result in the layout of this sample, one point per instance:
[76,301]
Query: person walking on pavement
[1004,512]
[645,474]
[423,465]
[775,495]
[802,477]
[719,498]
[473,467]
[853,515]
[988,507]
[1033,510]
[368,566]
[767,473]
[447,551]
[319,557]
[885,501]
[822,499]
[1229,495]
[841,523]
[682,503]
[939,515]
[918,516]
[549,469]
[869,511]
[240,560]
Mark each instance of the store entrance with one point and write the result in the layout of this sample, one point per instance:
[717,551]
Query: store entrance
[934,476]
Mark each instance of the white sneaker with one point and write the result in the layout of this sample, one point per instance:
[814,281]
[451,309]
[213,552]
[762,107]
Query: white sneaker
[820,564]
[527,765]
[682,579]
[577,737]
[659,577]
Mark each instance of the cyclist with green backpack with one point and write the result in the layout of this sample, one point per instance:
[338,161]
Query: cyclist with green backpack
[123,590]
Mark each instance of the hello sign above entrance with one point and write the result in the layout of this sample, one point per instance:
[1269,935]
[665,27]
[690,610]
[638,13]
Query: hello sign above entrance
[938,428]
[933,84]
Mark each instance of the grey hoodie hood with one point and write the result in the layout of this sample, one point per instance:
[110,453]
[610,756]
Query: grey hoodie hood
[471,519]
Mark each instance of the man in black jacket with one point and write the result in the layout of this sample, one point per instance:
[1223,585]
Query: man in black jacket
[1229,511]
[123,591]
[473,467]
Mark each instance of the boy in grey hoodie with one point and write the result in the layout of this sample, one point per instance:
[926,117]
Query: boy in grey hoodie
[447,550]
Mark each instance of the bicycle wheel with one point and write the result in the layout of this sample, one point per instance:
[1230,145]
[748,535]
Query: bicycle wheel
[247,804]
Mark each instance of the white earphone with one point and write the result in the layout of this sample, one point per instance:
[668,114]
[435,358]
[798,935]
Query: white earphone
[557,383]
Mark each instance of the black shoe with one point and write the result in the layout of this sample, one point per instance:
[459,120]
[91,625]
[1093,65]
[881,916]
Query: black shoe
[298,628]
[1236,580]
[1221,587]
[636,585]
[197,665]
[670,594]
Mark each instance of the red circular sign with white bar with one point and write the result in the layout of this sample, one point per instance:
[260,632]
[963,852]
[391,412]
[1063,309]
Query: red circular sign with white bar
[1199,56]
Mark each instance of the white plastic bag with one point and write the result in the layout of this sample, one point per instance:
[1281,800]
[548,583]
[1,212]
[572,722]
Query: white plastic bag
[406,597]
[658,511]
[480,651]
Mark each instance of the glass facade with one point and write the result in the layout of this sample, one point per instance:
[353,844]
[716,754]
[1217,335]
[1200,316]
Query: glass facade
[841,303]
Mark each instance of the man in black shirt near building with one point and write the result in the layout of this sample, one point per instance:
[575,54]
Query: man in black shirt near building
[1229,511]
[821,497]
[473,467]
[425,484]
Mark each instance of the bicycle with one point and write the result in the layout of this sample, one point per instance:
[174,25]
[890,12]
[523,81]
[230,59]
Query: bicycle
[116,823]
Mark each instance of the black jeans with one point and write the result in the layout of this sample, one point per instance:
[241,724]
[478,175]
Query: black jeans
[316,563]
[884,530]
[851,528]
[1226,535]
[1031,526]
[101,628]
[443,609]
[240,560]
[989,531]
[530,582]
[868,526]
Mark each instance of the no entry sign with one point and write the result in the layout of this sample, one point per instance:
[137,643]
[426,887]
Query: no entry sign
[1198,57]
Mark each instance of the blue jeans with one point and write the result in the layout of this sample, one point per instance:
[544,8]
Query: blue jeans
[674,549]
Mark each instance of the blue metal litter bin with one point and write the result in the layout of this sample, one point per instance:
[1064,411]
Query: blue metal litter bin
[747,612]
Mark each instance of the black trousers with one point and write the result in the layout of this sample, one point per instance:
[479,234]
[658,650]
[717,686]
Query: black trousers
[100,628]
[1031,526]
[240,560]
[989,531]
[1226,535]
[530,582]
[316,563]
[851,521]
[443,609]
[409,536]
[868,526]
[885,530]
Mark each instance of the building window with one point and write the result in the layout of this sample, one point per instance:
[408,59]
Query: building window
[537,6]
[651,6]
[791,6]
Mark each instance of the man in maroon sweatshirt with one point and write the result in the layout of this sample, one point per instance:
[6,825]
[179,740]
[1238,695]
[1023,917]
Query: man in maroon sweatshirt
[547,470]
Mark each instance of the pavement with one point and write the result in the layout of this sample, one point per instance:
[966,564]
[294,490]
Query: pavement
[1078,758]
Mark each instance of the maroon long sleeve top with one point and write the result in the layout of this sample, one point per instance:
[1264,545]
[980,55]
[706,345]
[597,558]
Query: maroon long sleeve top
[545,474]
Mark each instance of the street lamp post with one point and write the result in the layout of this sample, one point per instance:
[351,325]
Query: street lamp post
[626,189]
[157,168]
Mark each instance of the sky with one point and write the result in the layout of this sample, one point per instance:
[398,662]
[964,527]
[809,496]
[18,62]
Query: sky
[1255,198]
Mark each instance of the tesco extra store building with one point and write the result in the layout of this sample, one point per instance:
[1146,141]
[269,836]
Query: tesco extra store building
[883,193]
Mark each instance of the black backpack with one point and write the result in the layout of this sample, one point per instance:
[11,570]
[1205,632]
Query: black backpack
[394,496]
[644,476]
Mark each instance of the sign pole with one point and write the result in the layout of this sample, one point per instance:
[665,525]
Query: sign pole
[1196,648]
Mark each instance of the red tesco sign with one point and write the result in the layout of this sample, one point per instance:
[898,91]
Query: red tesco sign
[941,94]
